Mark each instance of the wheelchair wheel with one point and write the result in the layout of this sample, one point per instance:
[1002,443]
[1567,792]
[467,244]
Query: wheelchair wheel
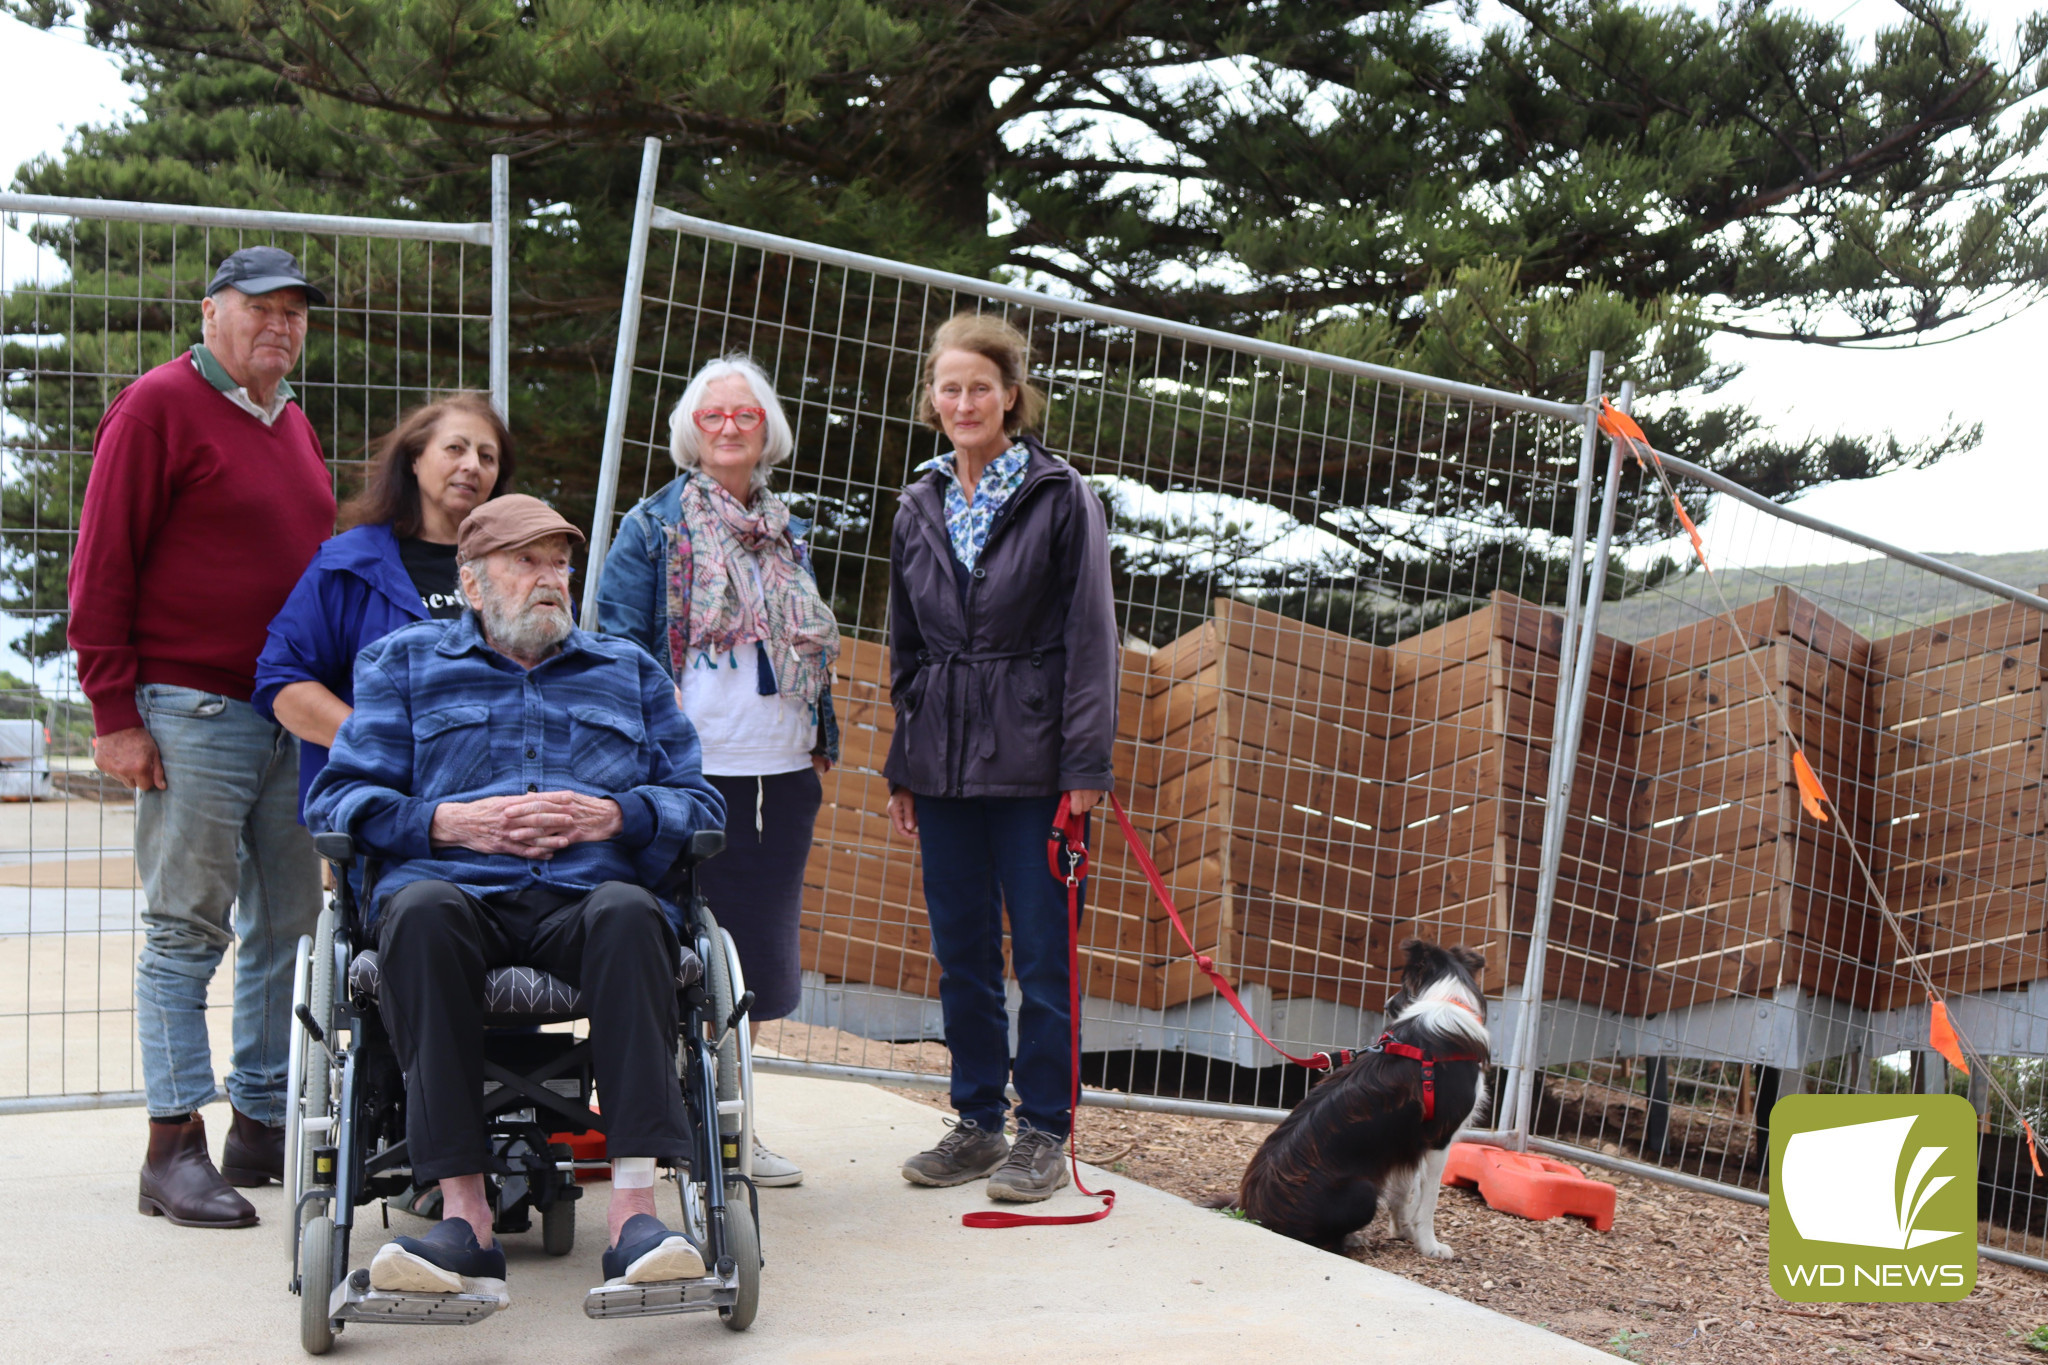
[295,1086]
[743,1240]
[317,1082]
[558,1220]
[316,1283]
[735,1056]
[719,978]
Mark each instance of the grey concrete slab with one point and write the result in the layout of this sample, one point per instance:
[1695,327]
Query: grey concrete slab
[861,1266]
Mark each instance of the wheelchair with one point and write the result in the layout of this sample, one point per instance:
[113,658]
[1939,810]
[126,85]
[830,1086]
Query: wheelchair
[345,1144]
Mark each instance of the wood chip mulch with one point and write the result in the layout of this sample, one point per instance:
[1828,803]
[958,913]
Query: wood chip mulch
[1680,1277]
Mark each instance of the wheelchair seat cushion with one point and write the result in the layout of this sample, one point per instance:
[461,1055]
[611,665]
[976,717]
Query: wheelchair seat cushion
[524,994]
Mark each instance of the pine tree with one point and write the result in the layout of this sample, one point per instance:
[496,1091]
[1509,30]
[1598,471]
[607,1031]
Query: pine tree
[1381,180]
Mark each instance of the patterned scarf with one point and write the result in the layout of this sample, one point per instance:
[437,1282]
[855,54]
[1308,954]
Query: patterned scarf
[715,605]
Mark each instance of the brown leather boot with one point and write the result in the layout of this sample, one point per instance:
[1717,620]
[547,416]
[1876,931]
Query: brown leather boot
[254,1154]
[180,1183]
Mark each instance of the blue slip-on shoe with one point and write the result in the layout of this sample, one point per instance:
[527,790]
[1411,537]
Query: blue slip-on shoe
[648,1253]
[445,1261]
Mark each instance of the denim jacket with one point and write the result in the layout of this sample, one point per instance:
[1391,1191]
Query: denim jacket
[632,597]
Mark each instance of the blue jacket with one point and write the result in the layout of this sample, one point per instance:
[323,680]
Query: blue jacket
[441,716]
[632,597]
[355,591]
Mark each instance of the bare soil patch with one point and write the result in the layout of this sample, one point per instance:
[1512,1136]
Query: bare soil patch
[1680,1277]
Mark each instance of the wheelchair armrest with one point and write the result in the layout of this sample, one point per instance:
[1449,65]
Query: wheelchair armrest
[705,844]
[338,849]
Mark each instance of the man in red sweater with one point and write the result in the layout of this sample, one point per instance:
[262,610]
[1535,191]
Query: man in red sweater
[207,498]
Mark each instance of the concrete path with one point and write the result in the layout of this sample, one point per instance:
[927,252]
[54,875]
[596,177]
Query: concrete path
[861,1266]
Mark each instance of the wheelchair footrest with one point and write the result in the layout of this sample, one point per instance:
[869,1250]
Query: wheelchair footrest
[667,1296]
[355,1301]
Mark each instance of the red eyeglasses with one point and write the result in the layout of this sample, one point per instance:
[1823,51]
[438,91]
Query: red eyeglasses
[743,419]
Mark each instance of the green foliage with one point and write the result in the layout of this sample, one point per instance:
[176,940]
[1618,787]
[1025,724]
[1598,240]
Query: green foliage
[1374,178]
[1626,1343]
[2038,1339]
[68,723]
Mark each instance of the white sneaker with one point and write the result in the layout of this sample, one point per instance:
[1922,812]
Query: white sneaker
[773,1170]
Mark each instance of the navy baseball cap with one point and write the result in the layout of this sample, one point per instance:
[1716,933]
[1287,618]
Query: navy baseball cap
[260,270]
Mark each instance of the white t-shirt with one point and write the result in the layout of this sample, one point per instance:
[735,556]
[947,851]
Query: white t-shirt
[744,734]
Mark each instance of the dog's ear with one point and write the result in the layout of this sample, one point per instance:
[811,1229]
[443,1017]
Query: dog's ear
[1420,953]
[1471,961]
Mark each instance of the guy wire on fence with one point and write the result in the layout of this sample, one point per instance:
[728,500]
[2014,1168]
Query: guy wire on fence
[1951,778]
[1623,431]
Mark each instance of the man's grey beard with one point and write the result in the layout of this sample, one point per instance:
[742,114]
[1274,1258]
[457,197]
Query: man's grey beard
[523,633]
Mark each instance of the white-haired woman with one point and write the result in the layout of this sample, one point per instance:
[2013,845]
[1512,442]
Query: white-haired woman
[711,576]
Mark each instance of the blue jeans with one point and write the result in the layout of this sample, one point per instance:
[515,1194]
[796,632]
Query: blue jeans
[222,839]
[981,854]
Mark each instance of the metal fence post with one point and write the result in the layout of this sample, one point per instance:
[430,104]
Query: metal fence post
[501,285]
[622,380]
[1589,624]
[1521,1079]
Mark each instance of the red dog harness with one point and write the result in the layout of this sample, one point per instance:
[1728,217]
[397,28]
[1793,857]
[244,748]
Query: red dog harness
[1388,1044]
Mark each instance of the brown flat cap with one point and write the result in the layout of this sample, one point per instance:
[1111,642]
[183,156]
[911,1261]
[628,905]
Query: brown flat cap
[506,524]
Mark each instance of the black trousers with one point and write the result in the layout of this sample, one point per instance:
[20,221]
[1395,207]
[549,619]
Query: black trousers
[435,944]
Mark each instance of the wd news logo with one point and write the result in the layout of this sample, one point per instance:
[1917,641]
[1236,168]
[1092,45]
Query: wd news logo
[1873,1198]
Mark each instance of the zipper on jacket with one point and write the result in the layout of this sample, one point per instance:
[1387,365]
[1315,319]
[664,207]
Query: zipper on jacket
[957,779]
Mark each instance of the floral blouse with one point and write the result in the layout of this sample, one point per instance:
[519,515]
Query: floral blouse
[968,520]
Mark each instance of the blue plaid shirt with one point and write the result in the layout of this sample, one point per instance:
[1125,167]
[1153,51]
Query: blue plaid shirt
[968,521]
[441,716]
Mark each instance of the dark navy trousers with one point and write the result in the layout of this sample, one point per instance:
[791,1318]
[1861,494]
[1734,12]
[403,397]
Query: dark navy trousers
[981,856]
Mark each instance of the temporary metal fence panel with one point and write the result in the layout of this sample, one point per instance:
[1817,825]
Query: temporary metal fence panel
[1348,603]
[1338,690]
[1718,945]
[92,294]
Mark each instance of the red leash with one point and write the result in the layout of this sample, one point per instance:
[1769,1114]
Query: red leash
[1315,1061]
[1068,841]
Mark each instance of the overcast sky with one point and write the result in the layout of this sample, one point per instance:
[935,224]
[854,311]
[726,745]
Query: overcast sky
[1990,500]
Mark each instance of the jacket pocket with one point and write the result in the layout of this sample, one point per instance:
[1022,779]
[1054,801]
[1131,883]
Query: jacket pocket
[451,750]
[606,750]
[912,694]
[1027,723]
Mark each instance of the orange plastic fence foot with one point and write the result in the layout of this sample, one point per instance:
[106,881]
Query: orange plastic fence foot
[1528,1185]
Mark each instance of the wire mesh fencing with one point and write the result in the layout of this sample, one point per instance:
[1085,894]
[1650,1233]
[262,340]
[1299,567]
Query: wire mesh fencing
[92,295]
[1350,606]
[1720,944]
[1321,568]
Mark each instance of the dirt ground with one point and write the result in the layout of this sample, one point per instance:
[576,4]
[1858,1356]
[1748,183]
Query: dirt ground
[1680,1277]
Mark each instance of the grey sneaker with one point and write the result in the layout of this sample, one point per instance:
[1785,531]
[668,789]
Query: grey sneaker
[967,1153]
[774,1169]
[1035,1169]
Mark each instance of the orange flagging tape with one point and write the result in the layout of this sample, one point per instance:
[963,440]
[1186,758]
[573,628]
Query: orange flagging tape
[2033,1148]
[1941,1035]
[1811,793]
[1622,427]
[1690,529]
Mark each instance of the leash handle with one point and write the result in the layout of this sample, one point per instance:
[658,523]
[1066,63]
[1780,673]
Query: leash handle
[1066,853]
[1315,1061]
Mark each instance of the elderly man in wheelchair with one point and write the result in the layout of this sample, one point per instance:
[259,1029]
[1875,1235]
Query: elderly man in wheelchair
[514,787]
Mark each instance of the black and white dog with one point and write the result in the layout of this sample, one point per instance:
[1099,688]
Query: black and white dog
[1381,1127]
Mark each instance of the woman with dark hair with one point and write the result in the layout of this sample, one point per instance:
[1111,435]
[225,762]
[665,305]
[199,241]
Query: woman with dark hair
[393,562]
[1003,673]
